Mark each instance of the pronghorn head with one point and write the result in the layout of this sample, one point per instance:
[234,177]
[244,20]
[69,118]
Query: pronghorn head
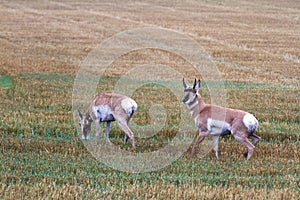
[190,93]
[85,125]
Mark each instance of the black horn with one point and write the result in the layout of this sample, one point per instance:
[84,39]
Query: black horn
[79,113]
[184,84]
[195,82]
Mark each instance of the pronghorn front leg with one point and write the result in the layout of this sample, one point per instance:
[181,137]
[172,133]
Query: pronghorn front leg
[216,143]
[98,129]
[199,139]
[108,124]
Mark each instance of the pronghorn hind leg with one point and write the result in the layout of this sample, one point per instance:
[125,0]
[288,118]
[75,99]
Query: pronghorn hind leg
[125,138]
[255,139]
[125,135]
[199,139]
[123,125]
[250,147]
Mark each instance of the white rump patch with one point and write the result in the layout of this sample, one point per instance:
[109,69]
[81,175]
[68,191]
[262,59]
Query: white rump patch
[216,127]
[129,105]
[250,122]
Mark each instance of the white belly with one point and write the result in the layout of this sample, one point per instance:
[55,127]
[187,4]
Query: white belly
[103,113]
[216,127]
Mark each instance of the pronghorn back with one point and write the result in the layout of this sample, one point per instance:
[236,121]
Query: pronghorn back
[113,102]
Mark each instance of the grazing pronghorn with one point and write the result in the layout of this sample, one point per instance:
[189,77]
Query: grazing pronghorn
[108,107]
[215,120]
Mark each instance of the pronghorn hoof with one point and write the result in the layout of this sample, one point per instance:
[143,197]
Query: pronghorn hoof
[246,154]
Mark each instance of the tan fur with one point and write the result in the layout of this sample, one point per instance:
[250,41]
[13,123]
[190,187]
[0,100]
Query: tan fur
[216,115]
[110,103]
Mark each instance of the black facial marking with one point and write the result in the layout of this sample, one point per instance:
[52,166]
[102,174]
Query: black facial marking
[190,90]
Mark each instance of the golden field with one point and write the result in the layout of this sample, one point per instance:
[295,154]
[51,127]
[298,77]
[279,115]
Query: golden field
[254,45]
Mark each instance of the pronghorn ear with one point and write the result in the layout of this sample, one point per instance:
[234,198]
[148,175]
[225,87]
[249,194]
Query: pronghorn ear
[184,84]
[198,85]
[80,115]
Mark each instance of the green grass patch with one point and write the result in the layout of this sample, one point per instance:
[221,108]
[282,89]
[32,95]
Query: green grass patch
[41,149]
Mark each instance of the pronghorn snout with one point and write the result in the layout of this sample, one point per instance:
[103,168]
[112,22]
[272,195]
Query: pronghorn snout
[185,100]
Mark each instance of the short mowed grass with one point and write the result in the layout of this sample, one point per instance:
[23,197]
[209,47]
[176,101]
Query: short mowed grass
[42,155]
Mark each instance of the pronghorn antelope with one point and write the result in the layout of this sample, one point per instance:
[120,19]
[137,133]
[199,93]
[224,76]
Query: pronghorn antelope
[108,107]
[215,120]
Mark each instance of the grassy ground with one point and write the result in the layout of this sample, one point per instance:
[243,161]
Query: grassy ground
[254,45]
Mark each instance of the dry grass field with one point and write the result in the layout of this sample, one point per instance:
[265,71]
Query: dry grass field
[255,45]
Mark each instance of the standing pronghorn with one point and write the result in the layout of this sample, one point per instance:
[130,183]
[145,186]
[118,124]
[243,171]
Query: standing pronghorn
[108,107]
[216,121]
